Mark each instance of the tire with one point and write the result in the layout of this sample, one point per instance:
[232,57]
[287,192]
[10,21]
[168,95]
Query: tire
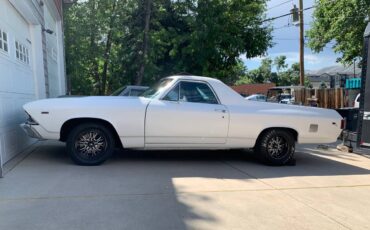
[90,144]
[275,147]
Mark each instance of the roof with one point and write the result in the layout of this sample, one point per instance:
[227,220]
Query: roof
[319,78]
[336,70]
[195,78]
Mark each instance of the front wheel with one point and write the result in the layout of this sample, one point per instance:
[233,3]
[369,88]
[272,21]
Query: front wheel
[90,144]
[276,147]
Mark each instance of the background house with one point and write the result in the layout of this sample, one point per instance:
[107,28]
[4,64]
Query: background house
[31,65]
[333,76]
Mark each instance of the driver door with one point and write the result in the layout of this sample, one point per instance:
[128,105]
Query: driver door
[190,115]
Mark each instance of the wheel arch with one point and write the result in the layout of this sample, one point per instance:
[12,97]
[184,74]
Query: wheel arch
[68,126]
[291,130]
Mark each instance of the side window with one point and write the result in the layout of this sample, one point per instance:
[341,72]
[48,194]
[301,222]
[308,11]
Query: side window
[173,95]
[197,93]
[136,92]
[3,41]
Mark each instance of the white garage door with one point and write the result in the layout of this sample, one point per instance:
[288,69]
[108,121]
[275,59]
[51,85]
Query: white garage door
[16,80]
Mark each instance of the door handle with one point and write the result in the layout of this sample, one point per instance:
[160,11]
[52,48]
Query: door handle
[221,110]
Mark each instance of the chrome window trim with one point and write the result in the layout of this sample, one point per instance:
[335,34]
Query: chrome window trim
[194,81]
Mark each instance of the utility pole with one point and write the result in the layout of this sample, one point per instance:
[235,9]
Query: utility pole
[301,44]
[354,67]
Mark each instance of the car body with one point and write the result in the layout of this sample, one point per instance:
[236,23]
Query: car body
[356,103]
[282,94]
[286,99]
[130,90]
[256,97]
[181,112]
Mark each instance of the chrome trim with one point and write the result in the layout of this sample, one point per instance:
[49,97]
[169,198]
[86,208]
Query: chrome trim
[30,120]
[178,81]
[30,131]
[367,116]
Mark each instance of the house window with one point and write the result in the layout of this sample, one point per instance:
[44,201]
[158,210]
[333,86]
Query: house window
[3,41]
[21,53]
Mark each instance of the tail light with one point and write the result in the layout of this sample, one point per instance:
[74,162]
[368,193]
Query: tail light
[343,124]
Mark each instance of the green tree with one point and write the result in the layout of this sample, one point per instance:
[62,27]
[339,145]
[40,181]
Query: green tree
[280,63]
[263,73]
[342,22]
[285,75]
[323,85]
[89,35]
[290,76]
[308,84]
[114,42]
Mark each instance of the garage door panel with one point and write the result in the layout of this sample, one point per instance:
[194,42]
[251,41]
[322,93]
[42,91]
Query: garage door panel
[16,82]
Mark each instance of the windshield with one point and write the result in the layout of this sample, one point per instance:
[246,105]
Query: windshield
[118,91]
[157,88]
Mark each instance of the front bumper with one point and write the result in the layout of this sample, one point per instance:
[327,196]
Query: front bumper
[30,130]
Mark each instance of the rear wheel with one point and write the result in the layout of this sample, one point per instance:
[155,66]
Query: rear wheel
[276,147]
[90,144]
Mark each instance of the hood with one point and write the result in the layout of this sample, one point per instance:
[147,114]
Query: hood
[81,102]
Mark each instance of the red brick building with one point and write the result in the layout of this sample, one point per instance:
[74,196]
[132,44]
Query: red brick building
[249,89]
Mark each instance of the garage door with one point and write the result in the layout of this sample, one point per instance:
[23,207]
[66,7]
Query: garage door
[16,80]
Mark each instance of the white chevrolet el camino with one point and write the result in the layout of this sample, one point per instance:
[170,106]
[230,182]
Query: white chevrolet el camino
[180,112]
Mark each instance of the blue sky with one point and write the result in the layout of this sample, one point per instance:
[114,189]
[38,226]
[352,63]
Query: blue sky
[286,38]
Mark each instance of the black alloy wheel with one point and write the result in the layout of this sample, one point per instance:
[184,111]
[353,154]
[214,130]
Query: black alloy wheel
[90,144]
[276,147]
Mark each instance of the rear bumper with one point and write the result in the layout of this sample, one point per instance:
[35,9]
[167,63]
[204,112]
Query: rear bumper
[30,130]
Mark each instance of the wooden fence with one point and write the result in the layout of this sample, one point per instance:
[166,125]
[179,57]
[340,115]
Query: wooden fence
[324,98]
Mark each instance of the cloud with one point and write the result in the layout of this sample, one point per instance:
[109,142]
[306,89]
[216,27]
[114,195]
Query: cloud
[312,61]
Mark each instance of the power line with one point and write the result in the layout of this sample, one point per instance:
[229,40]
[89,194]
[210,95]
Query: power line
[284,15]
[274,18]
[308,8]
[279,5]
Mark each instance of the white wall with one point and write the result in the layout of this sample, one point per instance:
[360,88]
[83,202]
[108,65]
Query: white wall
[21,82]
[16,83]
[52,54]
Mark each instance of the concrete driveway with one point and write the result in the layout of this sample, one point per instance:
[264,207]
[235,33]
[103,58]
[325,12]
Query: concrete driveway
[186,190]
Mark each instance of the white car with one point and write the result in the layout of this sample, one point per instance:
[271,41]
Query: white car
[130,91]
[256,97]
[356,103]
[180,112]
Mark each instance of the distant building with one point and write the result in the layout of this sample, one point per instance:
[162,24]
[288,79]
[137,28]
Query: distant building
[249,89]
[31,65]
[333,76]
[317,81]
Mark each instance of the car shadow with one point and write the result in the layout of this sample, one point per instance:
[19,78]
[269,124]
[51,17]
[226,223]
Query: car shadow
[156,177]
[309,161]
